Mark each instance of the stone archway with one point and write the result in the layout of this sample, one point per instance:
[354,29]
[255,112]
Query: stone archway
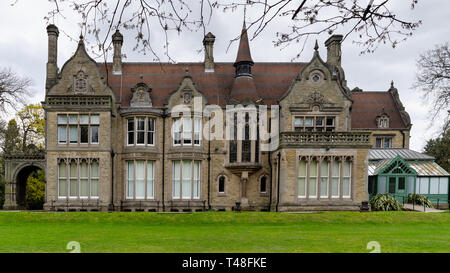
[18,166]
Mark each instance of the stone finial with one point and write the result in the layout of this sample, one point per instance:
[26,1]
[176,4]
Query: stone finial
[316,46]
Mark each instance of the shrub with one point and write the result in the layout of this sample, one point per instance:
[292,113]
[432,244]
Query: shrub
[385,202]
[420,199]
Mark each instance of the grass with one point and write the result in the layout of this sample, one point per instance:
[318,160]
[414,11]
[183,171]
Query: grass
[225,232]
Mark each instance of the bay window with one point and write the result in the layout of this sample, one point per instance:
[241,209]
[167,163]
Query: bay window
[78,128]
[186,131]
[141,131]
[325,177]
[186,179]
[140,179]
[314,123]
[78,178]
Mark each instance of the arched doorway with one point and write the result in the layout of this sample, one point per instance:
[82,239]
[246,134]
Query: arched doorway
[18,167]
[21,187]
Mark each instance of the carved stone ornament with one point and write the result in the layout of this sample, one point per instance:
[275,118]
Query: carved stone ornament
[141,96]
[315,98]
[80,84]
[187,96]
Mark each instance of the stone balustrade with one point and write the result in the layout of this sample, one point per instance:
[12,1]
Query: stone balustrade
[324,139]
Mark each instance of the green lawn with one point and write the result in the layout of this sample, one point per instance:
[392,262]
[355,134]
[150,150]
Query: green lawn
[225,232]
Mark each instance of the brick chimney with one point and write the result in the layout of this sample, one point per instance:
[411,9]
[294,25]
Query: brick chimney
[52,62]
[208,42]
[333,45]
[117,59]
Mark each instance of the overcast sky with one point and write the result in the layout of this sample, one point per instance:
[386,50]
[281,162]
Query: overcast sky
[23,47]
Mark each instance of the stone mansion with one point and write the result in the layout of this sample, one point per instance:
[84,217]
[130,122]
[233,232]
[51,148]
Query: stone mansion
[115,142]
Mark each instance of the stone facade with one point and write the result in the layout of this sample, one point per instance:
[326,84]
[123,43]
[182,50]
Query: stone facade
[137,126]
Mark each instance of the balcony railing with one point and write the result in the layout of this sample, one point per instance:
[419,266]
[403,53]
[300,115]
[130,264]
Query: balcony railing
[70,101]
[324,139]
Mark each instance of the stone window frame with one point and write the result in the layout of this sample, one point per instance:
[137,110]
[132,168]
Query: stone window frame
[314,125]
[146,197]
[78,124]
[319,73]
[225,177]
[146,131]
[330,158]
[265,193]
[193,131]
[233,132]
[383,141]
[180,197]
[78,161]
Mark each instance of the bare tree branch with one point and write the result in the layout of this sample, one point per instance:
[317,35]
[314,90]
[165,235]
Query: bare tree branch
[372,22]
[14,90]
[433,79]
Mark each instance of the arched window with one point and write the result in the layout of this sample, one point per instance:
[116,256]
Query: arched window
[263,184]
[222,184]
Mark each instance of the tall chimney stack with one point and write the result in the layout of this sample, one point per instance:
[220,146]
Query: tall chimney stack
[52,62]
[208,42]
[117,59]
[333,45]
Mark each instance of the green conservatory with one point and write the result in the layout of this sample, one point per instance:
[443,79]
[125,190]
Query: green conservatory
[403,171]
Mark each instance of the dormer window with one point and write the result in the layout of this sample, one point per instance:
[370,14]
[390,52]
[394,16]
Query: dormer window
[383,121]
[243,69]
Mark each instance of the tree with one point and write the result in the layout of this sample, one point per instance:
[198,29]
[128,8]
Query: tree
[433,79]
[440,149]
[13,90]
[32,125]
[15,138]
[374,23]
[10,142]
[35,192]
[11,138]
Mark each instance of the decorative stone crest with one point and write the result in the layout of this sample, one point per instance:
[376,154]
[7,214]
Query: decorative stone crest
[315,98]
[141,96]
[80,84]
[187,95]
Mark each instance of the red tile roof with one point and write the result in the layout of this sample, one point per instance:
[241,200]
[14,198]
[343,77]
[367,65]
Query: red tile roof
[271,80]
[368,105]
